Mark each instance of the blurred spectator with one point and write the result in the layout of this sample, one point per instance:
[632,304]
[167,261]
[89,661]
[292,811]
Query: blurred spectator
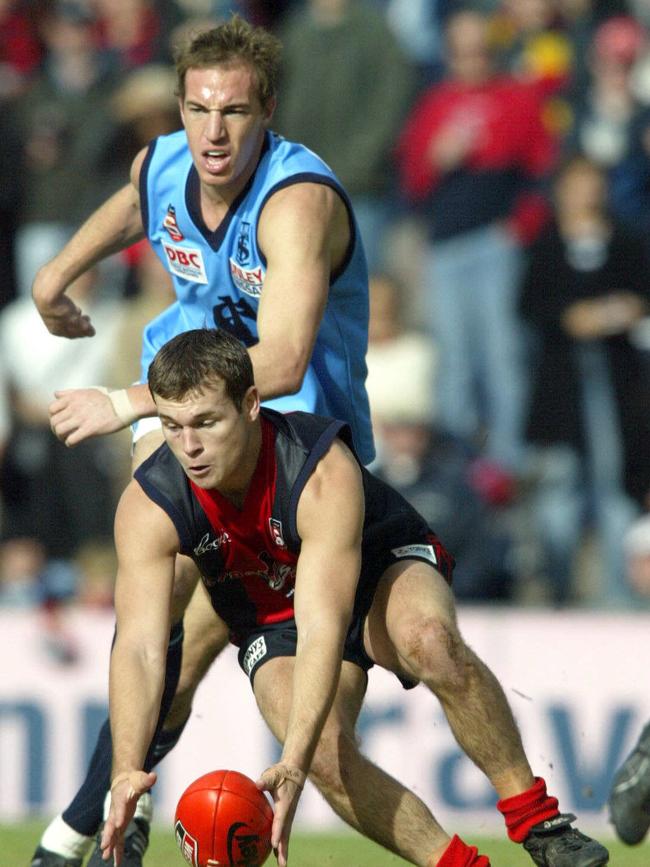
[437,473]
[418,26]
[472,155]
[64,124]
[10,197]
[56,499]
[401,362]
[131,33]
[143,107]
[586,287]
[345,89]
[21,51]
[610,123]
[636,546]
[533,44]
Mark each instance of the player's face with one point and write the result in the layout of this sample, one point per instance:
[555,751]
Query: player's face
[215,443]
[225,125]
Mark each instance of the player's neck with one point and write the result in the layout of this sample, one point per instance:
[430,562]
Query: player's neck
[217,200]
[235,489]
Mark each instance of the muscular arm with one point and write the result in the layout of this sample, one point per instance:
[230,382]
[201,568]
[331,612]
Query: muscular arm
[146,542]
[112,227]
[330,522]
[304,234]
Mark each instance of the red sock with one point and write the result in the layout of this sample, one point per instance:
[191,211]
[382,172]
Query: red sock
[459,854]
[523,811]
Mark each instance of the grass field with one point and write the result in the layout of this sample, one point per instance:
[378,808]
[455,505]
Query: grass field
[17,844]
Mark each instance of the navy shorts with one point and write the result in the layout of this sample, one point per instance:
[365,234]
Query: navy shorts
[262,643]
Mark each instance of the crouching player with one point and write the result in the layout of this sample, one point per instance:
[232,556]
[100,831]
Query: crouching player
[319,571]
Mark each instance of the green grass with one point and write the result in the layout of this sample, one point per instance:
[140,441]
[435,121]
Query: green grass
[17,843]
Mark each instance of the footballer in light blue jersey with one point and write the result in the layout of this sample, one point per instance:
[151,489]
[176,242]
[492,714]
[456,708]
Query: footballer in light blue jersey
[219,275]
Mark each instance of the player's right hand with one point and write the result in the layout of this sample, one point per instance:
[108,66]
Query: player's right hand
[125,791]
[80,413]
[63,318]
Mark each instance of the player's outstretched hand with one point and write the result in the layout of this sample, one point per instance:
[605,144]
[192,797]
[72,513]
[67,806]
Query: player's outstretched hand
[285,784]
[63,318]
[125,791]
[80,413]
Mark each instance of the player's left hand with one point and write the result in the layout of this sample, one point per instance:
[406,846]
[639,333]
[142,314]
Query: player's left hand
[80,413]
[125,791]
[285,784]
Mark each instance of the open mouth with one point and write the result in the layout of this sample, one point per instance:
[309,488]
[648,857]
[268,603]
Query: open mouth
[216,160]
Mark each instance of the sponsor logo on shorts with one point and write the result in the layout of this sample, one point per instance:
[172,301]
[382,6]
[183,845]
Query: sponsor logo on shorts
[186,262]
[423,552]
[170,224]
[247,280]
[187,844]
[255,652]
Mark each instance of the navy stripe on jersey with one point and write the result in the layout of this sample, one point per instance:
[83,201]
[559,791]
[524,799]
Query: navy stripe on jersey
[142,185]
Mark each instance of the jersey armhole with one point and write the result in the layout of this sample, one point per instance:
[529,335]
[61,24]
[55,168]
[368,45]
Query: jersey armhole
[143,186]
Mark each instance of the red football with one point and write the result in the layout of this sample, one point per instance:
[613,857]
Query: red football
[223,819]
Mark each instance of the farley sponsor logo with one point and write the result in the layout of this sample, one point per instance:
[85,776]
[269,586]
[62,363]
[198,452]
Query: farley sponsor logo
[423,552]
[186,262]
[255,652]
[247,280]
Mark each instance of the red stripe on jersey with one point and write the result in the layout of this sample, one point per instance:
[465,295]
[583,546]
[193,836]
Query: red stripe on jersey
[250,549]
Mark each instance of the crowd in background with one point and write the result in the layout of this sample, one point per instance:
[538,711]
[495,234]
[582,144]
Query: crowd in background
[497,155]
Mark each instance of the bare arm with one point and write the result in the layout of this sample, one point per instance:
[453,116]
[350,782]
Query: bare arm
[112,227]
[146,543]
[330,523]
[304,234]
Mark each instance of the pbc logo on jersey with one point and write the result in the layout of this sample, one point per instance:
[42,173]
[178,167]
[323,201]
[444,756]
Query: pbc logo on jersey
[185,262]
[247,280]
[170,224]
[276,532]
[187,844]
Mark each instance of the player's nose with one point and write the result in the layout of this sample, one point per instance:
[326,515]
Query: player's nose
[191,442]
[215,129]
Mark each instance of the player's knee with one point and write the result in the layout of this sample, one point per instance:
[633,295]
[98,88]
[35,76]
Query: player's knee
[435,653]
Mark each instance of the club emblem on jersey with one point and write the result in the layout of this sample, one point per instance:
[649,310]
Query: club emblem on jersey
[276,532]
[247,280]
[170,224]
[243,253]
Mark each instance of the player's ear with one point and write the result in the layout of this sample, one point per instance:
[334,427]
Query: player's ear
[251,403]
[269,109]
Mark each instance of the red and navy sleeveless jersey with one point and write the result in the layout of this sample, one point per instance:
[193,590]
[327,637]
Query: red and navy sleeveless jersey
[247,557]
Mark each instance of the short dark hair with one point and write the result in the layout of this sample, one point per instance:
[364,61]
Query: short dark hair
[193,359]
[234,41]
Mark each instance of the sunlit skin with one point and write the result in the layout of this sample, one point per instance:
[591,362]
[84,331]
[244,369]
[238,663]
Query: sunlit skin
[216,444]
[225,124]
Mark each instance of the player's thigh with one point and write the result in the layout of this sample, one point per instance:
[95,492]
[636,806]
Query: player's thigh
[273,688]
[412,602]
[206,635]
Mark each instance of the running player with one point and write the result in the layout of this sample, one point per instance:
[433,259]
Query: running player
[260,240]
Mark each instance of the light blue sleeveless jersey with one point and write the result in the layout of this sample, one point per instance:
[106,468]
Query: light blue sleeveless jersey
[219,276]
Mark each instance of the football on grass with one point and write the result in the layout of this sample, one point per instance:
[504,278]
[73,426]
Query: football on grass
[223,819]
